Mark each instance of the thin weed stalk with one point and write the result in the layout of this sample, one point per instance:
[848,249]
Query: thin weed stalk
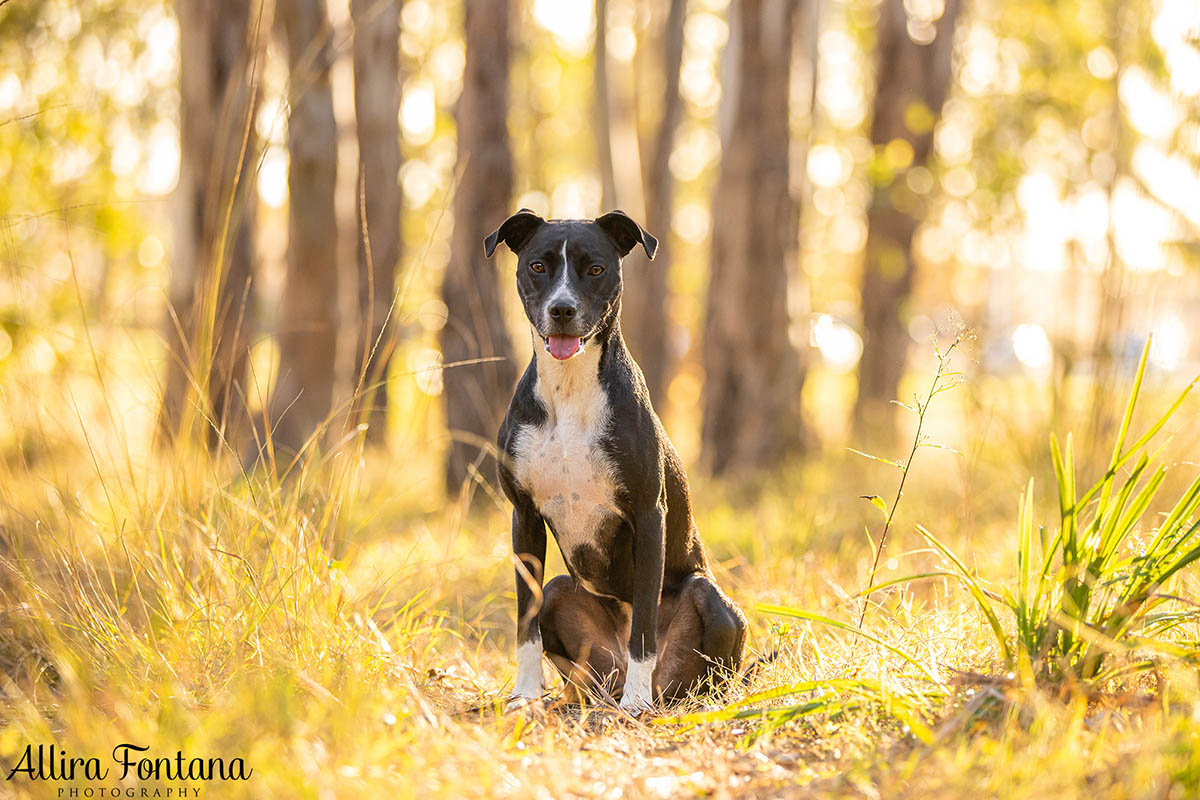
[920,408]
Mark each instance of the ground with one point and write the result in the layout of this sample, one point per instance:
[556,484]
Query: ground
[348,633]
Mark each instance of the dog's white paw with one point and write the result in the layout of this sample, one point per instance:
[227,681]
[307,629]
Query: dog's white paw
[530,683]
[638,695]
[518,702]
[634,706]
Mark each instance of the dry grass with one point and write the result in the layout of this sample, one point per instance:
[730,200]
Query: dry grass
[349,634]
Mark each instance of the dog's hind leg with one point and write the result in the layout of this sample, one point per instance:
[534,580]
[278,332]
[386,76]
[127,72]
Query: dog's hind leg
[585,636]
[701,634]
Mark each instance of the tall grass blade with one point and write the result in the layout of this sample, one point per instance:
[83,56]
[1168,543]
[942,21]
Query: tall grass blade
[799,613]
[977,592]
[1126,421]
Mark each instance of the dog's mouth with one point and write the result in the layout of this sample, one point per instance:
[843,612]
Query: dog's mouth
[563,347]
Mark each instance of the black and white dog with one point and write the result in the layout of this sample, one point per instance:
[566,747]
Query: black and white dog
[640,616]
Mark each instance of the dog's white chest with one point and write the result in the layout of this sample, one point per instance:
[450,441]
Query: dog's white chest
[562,463]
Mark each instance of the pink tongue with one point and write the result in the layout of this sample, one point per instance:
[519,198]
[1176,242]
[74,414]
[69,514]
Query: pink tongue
[563,347]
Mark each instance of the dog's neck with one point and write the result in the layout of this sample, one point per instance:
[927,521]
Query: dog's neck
[576,381]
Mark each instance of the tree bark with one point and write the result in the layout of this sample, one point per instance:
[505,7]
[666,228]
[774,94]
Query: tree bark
[644,316]
[908,76]
[211,305]
[477,394]
[602,105]
[309,314]
[376,110]
[1106,404]
[751,416]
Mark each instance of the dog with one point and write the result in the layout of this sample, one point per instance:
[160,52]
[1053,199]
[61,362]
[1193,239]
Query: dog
[639,619]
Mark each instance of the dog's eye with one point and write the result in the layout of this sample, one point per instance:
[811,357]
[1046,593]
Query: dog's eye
[595,270]
[537,266]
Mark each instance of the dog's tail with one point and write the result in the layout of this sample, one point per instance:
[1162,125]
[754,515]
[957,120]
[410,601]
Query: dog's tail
[756,665]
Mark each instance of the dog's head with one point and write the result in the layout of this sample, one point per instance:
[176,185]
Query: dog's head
[569,272]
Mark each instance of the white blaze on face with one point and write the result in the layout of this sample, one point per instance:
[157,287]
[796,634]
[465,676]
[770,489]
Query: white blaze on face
[529,682]
[562,294]
[639,690]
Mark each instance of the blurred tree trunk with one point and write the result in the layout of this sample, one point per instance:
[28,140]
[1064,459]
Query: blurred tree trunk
[911,84]
[644,313]
[751,415]
[1106,404]
[602,105]
[309,314]
[377,114]
[476,395]
[211,312]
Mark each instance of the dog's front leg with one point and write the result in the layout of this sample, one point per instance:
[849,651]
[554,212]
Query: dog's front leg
[649,541]
[529,546]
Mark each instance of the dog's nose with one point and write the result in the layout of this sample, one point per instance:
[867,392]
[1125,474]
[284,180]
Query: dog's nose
[562,313]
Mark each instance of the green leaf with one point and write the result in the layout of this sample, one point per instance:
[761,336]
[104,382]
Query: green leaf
[1139,444]
[906,579]
[889,461]
[946,447]
[1126,421]
[878,502]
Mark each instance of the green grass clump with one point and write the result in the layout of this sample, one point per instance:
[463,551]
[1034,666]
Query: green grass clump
[1090,590]
[1085,602]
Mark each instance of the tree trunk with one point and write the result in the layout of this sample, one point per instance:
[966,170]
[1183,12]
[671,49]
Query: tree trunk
[912,81]
[751,415]
[377,110]
[1106,404]
[212,312]
[309,314]
[602,105]
[644,316]
[477,394]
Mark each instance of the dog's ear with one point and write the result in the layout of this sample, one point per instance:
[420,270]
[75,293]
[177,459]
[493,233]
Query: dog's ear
[514,232]
[626,233]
